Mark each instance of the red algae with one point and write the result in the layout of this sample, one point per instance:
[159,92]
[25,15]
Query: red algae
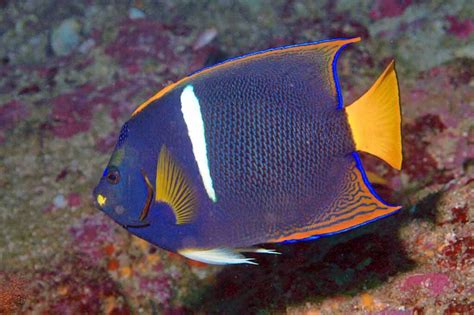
[72,112]
[158,287]
[109,249]
[140,40]
[435,283]
[91,234]
[460,28]
[74,200]
[456,308]
[458,253]
[113,264]
[11,113]
[388,8]
[460,214]
[13,293]
[78,286]
[422,165]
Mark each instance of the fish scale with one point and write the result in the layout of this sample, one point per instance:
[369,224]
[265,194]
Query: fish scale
[282,138]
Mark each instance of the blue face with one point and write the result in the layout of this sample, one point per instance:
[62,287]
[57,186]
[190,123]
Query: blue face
[124,192]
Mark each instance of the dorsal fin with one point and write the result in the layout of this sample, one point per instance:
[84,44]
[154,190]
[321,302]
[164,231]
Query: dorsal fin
[174,188]
[329,48]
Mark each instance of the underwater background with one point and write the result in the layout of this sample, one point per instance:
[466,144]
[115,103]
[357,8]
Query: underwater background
[71,73]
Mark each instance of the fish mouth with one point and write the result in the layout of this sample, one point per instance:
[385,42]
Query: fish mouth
[136,224]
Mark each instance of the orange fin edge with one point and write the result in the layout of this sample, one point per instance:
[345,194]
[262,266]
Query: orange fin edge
[320,230]
[338,42]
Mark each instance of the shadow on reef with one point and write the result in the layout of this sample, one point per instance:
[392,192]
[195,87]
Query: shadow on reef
[309,271]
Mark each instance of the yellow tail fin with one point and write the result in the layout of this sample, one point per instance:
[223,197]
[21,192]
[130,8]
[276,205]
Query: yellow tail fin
[375,119]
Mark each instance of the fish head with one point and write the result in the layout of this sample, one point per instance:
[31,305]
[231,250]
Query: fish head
[124,191]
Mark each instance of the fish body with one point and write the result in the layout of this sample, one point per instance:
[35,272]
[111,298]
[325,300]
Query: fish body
[258,149]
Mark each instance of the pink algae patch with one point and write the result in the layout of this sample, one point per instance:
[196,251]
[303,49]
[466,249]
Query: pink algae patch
[91,234]
[158,287]
[394,312]
[388,8]
[436,283]
[139,40]
[72,112]
[74,285]
[417,137]
[74,200]
[11,113]
[460,28]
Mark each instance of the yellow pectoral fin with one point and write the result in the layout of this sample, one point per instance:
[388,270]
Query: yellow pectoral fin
[174,188]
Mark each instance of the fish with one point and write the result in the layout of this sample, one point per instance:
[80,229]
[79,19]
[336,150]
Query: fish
[258,149]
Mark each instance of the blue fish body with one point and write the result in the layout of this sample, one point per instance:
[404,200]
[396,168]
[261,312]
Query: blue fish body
[255,150]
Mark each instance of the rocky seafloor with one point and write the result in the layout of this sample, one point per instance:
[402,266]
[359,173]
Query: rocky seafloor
[71,72]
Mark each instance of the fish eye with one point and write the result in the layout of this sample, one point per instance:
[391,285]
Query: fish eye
[113,176]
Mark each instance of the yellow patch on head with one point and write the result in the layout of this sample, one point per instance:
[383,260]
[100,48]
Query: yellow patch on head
[101,200]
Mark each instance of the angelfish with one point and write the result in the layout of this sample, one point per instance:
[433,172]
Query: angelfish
[257,149]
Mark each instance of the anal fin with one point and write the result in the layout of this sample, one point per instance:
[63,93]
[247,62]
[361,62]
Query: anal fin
[355,205]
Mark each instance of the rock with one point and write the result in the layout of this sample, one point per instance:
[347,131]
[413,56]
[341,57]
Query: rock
[59,201]
[205,38]
[135,14]
[434,282]
[66,37]
[86,46]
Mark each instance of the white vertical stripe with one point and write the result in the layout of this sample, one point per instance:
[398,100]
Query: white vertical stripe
[193,118]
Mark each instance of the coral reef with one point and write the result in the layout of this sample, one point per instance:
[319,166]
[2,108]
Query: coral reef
[71,72]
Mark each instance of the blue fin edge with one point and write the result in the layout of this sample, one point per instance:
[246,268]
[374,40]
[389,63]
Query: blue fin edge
[334,63]
[340,100]
[372,191]
[359,166]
